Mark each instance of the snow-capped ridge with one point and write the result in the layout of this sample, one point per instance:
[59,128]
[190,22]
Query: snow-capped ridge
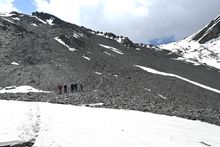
[201,48]
[210,31]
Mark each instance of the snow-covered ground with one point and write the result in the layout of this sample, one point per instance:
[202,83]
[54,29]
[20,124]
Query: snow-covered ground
[196,53]
[65,125]
[20,89]
[193,51]
[150,70]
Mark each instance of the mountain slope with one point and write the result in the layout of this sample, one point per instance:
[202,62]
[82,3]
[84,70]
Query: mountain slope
[202,47]
[43,51]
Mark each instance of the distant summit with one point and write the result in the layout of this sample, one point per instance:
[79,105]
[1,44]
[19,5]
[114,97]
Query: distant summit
[201,48]
[209,32]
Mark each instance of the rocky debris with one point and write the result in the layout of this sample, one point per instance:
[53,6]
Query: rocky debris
[16,14]
[111,35]
[127,42]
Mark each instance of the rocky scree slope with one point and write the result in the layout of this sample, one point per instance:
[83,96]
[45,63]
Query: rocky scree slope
[43,51]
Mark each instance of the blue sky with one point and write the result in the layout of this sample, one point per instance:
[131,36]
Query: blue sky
[25,6]
[143,21]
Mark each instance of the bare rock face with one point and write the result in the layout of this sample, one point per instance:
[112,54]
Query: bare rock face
[211,31]
[128,42]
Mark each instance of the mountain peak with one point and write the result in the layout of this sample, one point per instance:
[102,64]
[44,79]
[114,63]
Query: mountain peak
[209,32]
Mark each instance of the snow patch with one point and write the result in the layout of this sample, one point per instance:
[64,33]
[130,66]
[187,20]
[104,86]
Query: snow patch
[186,60]
[8,20]
[33,24]
[87,58]
[112,49]
[98,73]
[107,53]
[92,32]
[44,22]
[120,39]
[50,21]
[150,70]
[16,18]
[21,89]
[14,63]
[147,89]
[57,125]
[63,43]
[77,35]
[163,97]
[93,105]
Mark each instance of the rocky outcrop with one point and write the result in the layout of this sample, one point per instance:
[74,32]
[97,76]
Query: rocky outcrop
[211,31]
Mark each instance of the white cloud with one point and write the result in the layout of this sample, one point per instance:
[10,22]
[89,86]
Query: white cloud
[140,20]
[7,6]
[68,10]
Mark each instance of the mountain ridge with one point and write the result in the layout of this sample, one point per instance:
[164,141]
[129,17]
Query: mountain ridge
[201,48]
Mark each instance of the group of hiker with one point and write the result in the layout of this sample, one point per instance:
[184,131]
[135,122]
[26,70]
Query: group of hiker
[73,88]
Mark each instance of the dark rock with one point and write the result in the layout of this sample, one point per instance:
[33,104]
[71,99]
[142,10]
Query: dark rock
[211,31]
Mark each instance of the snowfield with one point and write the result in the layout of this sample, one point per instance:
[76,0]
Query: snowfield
[196,53]
[68,126]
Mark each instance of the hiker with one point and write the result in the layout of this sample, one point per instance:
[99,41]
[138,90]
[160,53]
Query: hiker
[81,87]
[75,87]
[72,88]
[60,87]
[65,88]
